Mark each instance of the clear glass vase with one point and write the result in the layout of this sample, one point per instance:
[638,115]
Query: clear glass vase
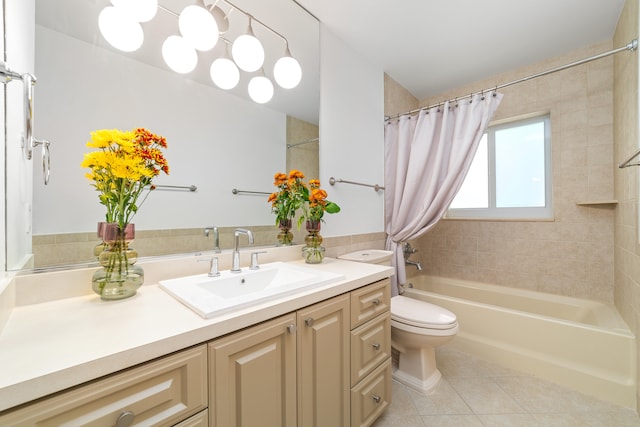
[285,237]
[313,251]
[119,277]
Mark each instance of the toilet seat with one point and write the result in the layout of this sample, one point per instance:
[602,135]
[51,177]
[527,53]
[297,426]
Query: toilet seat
[414,313]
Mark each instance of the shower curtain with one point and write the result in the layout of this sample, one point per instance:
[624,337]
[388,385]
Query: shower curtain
[427,157]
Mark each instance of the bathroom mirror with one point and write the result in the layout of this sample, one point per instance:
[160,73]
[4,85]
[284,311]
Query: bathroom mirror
[218,140]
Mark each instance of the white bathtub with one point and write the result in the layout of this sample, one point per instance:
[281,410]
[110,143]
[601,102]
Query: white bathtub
[582,344]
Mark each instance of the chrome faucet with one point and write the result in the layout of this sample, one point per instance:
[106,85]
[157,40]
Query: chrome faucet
[407,250]
[216,238]
[235,265]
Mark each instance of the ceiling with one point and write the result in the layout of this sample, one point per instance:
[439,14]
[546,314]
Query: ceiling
[430,46]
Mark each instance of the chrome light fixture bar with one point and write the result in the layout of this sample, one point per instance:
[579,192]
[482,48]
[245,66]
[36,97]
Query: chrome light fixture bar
[200,27]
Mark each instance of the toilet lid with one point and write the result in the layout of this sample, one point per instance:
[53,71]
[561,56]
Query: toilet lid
[421,313]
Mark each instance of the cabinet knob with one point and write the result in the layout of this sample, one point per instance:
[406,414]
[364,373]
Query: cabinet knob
[125,419]
[291,329]
[376,301]
[376,346]
[376,398]
[309,321]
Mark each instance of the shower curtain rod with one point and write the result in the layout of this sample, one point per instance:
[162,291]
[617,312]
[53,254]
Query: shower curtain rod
[632,45]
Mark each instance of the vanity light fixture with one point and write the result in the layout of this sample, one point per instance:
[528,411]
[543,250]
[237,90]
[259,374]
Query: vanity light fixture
[247,51]
[287,71]
[200,28]
[260,88]
[224,72]
[120,30]
[179,55]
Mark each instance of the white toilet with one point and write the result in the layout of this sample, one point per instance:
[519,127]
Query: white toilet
[417,328]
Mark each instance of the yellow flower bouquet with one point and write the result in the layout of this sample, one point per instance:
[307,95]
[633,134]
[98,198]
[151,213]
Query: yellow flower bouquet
[124,165]
[122,168]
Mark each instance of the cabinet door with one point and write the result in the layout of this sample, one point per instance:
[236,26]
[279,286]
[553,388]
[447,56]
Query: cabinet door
[253,376]
[323,364]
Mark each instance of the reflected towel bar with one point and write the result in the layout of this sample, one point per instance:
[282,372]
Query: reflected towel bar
[236,191]
[375,187]
[289,146]
[628,163]
[177,187]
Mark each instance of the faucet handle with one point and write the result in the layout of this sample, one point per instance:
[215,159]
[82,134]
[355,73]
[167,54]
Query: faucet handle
[213,266]
[254,260]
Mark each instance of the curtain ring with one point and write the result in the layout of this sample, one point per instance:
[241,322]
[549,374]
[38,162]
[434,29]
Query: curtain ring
[470,97]
[482,95]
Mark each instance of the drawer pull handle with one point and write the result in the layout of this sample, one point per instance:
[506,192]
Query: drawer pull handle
[376,398]
[376,346]
[125,419]
[376,301]
[309,321]
[291,329]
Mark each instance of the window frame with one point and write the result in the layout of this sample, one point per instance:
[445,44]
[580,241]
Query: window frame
[515,213]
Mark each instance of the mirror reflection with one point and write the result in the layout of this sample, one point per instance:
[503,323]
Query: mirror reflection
[218,139]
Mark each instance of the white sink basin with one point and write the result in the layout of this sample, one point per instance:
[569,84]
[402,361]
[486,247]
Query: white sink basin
[212,296]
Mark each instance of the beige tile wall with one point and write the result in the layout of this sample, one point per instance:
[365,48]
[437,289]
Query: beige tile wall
[573,254]
[627,249]
[303,157]
[77,248]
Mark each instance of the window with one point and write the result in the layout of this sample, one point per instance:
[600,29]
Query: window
[510,176]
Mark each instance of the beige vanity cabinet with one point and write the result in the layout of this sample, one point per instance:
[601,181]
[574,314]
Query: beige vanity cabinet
[164,392]
[336,354]
[323,363]
[327,364]
[253,376]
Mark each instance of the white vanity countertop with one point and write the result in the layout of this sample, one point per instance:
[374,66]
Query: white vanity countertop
[53,345]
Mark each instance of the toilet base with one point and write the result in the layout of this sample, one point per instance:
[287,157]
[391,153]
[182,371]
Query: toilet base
[425,386]
[417,369]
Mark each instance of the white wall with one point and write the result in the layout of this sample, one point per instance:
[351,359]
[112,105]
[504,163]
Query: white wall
[19,56]
[352,137]
[216,140]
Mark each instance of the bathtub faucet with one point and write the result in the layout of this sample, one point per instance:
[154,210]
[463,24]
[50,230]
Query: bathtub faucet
[407,250]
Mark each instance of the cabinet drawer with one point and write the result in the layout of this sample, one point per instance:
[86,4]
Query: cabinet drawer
[371,396]
[160,393]
[370,346]
[370,301]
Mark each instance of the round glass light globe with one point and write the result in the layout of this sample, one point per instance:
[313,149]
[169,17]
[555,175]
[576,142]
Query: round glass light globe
[224,73]
[260,89]
[287,72]
[138,10]
[179,55]
[198,27]
[248,53]
[119,30]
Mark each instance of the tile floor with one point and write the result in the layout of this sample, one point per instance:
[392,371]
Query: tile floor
[474,392]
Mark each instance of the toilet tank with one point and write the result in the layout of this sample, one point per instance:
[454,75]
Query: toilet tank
[370,256]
